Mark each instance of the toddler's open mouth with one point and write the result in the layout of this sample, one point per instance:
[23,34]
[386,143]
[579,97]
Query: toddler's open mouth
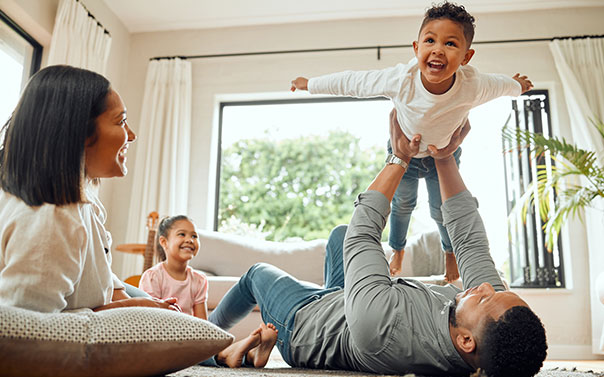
[436,65]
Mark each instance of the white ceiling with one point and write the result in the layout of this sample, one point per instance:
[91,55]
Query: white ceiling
[161,15]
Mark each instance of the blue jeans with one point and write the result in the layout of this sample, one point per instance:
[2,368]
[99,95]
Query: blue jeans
[405,199]
[279,295]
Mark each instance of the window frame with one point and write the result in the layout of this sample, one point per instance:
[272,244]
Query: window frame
[224,104]
[537,269]
[36,58]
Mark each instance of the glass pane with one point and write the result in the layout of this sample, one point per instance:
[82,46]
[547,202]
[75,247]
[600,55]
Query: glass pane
[261,130]
[15,62]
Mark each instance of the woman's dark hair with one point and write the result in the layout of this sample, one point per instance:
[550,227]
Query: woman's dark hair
[42,154]
[455,13]
[162,231]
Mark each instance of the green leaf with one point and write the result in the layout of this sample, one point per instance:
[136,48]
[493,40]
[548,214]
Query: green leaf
[573,164]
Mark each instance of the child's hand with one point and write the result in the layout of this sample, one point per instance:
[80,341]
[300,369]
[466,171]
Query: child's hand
[524,82]
[300,83]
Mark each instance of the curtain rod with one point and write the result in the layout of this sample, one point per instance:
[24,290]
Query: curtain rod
[94,18]
[377,48]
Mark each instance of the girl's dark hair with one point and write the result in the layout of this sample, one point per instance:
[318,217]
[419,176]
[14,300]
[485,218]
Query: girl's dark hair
[455,13]
[162,231]
[42,154]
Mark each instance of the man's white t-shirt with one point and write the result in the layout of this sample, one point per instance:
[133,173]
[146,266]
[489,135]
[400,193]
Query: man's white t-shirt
[434,116]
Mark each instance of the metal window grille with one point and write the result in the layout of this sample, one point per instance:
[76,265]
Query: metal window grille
[531,265]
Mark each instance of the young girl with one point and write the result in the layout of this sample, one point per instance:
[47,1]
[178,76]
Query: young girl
[177,244]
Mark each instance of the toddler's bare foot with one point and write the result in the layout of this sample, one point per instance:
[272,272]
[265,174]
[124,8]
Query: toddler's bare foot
[396,262]
[451,270]
[232,356]
[259,355]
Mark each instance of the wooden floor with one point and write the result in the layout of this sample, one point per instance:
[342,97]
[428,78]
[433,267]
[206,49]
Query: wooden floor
[582,365]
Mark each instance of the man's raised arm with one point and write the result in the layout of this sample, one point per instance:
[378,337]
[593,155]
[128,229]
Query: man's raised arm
[464,224]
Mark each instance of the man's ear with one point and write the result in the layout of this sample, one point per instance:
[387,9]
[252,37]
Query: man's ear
[465,340]
[415,47]
[468,56]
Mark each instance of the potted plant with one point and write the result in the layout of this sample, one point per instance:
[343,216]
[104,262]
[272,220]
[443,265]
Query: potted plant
[568,196]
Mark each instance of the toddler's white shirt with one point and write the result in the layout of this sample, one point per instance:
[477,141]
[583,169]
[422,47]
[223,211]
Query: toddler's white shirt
[434,116]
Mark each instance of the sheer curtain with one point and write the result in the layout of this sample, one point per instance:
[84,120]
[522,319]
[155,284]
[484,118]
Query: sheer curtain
[161,175]
[580,64]
[78,39]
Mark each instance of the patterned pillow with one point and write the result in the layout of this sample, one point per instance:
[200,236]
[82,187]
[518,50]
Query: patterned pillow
[125,341]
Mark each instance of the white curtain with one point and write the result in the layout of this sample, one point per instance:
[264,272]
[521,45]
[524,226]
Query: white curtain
[580,64]
[161,171]
[78,39]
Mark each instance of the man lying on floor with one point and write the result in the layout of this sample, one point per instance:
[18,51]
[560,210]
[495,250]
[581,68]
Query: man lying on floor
[364,320]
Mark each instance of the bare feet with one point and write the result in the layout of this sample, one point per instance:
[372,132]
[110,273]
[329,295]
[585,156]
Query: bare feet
[259,355]
[232,356]
[451,270]
[396,262]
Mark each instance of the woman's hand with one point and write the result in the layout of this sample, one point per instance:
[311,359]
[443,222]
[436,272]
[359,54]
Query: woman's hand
[150,302]
[402,147]
[456,139]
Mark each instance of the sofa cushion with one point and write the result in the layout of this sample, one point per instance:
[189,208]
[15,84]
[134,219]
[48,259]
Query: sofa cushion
[117,342]
[224,254]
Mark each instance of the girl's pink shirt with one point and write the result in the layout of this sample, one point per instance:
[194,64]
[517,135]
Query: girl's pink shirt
[193,290]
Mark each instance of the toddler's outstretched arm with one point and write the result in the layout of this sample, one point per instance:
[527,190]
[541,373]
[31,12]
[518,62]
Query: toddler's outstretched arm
[299,83]
[524,82]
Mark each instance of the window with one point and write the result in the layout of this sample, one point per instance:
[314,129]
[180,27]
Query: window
[291,169]
[20,58]
[531,265]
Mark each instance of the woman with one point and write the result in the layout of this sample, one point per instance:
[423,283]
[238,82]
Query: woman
[69,129]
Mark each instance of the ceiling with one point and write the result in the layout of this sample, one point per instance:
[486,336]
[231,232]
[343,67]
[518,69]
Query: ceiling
[161,15]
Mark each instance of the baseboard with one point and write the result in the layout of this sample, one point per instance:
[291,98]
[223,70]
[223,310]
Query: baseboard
[571,352]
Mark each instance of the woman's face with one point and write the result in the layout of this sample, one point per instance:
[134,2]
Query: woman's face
[106,149]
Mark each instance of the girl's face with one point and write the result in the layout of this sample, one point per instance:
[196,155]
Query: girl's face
[106,149]
[182,242]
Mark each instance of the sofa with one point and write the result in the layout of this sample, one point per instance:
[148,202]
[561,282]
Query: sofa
[225,257]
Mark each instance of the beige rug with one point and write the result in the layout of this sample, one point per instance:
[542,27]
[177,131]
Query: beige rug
[277,367]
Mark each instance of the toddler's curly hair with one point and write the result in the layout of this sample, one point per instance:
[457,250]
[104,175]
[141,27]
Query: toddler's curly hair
[453,12]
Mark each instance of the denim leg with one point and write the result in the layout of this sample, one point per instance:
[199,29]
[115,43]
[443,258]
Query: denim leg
[333,269]
[278,295]
[435,201]
[403,203]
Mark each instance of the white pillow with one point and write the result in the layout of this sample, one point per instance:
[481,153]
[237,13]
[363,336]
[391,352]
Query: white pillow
[116,342]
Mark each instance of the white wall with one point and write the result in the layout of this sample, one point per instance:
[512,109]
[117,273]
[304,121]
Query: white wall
[565,313]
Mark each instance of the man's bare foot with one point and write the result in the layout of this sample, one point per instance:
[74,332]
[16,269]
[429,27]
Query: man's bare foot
[451,270]
[232,356]
[396,262]
[259,355]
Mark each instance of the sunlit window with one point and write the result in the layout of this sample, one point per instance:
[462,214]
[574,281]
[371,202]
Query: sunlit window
[19,59]
[291,169]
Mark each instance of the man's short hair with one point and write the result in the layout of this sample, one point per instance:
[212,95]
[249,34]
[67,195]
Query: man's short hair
[514,345]
[455,13]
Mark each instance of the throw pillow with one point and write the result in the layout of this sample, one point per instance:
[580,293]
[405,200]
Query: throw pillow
[132,341]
